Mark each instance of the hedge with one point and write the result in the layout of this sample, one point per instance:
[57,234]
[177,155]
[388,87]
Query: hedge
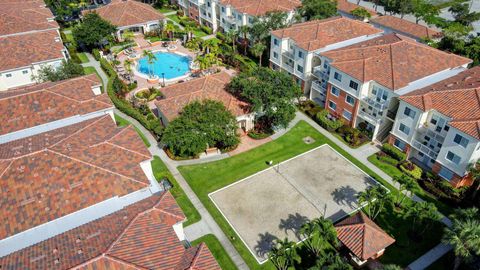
[206,29]
[96,54]
[414,172]
[330,125]
[393,152]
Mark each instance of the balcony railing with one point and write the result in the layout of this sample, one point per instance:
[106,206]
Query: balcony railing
[425,131]
[318,85]
[288,55]
[319,73]
[288,67]
[379,105]
[425,149]
[369,118]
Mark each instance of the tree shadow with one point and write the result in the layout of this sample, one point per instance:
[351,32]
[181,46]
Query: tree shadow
[345,195]
[265,244]
[293,223]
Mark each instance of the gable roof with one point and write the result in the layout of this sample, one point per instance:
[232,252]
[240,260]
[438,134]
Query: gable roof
[317,34]
[58,172]
[392,60]
[347,7]
[211,87]
[47,102]
[19,51]
[139,236]
[127,12]
[362,236]
[23,16]
[406,27]
[262,7]
[457,97]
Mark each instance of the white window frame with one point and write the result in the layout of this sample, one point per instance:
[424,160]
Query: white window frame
[334,109]
[454,155]
[346,100]
[343,115]
[462,139]
[339,76]
[400,129]
[331,91]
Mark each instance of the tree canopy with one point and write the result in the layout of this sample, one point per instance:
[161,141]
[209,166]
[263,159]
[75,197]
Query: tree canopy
[199,126]
[271,94]
[318,9]
[66,70]
[93,31]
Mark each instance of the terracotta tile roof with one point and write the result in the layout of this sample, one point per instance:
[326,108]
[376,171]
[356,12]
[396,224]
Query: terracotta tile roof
[43,103]
[128,12]
[317,34]
[135,237]
[406,27]
[348,7]
[56,173]
[208,87]
[457,97]
[362,236]
[19,17]
[23,50]
[261,7]
[392,60]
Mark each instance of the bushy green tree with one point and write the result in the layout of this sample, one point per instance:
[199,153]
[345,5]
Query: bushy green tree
[318,9]
[461,13]
[201,125]
[283,254]
[424,10]
[271,94]
[374,199]
[93,31]
[423,215]
[407,185]
[361,13]
[66,70]
[319,234]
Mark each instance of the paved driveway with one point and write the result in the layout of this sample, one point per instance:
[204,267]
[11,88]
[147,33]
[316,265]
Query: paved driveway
[274,203]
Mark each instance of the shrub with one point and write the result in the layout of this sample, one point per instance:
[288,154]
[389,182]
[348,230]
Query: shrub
[257,135]
[393,152]
[411,170]
[206,29]
[325,122]
[180,13]
[349,134]
[107,67]
[220,36]
[381,156]
[132,86]
[96,54]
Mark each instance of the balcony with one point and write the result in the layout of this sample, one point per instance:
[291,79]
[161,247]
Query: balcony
[319,73]
[319,86]
[288,67]
[370,118]
[288,55]
[425,149]
[426,131]
[379,105]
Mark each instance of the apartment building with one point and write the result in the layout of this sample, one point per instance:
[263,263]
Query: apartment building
[78,191]
[438,126]
[29,39]
[297,49]
[232,14]
[366,79]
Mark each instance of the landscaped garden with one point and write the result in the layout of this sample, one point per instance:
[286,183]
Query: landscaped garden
[209,177]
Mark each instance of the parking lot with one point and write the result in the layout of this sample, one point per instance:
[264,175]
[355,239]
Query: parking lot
[275,202]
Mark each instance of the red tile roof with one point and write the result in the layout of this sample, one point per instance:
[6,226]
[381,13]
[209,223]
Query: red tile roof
[347,7]
[406,27]
[392,60]
[19,17]
[52,174]
[128,12]
[43,103]
[457,97]
[208,87]
[317,34]
[139,236]
[362,236]
[23,50]
[262,7]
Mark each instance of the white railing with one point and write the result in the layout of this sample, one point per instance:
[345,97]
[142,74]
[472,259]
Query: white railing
[369,117]
[424,149]
[318,85]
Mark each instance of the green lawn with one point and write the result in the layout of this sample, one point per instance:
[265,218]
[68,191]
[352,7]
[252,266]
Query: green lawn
[394,171]
[91,70]
[161,171]
[123,122]
[205,178]
[174,18]
[217,250]
[165,10]
[83,57]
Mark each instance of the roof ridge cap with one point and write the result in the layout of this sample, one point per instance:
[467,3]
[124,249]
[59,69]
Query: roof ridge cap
[81,129]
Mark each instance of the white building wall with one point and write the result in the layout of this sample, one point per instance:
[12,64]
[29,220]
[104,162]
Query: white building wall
[465,153]
[23,76]
[401,118]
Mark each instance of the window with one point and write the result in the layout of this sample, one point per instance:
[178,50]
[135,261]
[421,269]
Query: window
[250,20]
[459,139]
[453,158]
[25,71]
[433,120]
[239,16]
[275,42]
[446,173]
[208,4]
[8,75]
[446,128]
[350,100]
[409,112]
[275,55]
[347,115]
[300,54]
[404,129]
[335,91]
[353,85]
[223,9]
[337,76]
[299,68]
[400,144]
[332,105]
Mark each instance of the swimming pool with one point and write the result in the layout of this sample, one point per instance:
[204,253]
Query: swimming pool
[171,64]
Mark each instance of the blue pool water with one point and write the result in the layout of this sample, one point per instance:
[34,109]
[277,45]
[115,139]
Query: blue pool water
[172,64]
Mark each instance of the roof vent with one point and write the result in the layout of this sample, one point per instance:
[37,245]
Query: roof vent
[57,39]
[57,261]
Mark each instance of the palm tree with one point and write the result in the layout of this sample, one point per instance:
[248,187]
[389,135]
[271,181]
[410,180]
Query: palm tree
[257,50]
[283,254]
[423,215]
[406,185]
[318,233]
[151,58]
[210,46]
[373,199]
[128,66]
[170,29]
[128,35]
[189,29]
[464,236]
[231,36]
[243,30]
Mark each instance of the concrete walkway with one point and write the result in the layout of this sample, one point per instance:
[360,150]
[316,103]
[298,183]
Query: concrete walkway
[430,257]
[94,63]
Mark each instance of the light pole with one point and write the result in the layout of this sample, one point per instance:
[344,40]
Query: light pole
[163,77]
